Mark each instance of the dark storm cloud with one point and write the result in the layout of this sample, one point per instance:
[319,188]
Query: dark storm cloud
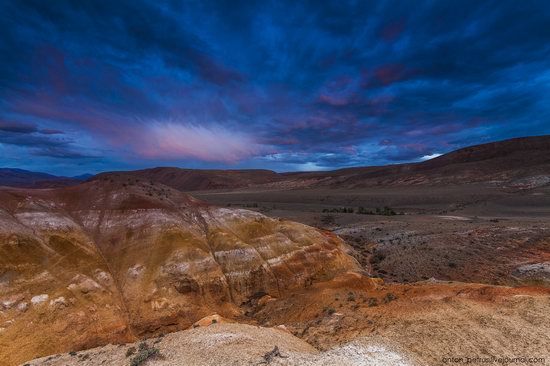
[293,84]
[18,127]
[39,142]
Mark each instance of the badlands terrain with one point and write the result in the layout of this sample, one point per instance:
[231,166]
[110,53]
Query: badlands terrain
[416,264]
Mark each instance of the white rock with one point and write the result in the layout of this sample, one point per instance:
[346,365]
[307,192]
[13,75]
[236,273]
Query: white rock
[59,302]
[7,304]
[84,284]
[103,277]
[135,271]
[22,307]
[39,299]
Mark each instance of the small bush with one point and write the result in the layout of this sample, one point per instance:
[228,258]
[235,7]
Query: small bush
[144,355]
[378,257]
[351,296]
[362,211]
[328,220]
[329,310]
[371,302]
[389,297]
[385,211]
[269,356]
[339,210]
[451,264]
[72,353]
[143,346]
[130,351]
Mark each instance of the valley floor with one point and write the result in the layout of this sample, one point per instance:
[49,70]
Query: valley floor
[468,233]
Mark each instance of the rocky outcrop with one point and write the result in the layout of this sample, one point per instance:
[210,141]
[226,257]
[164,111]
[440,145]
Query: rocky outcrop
[118,258]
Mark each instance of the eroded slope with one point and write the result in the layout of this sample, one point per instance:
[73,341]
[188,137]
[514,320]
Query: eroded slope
[119,258]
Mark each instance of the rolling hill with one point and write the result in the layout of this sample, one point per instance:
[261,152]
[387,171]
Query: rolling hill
[520,162]
[26,179]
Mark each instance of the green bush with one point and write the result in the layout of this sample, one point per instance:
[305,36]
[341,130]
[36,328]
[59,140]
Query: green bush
[389,297]
[339,210]
[143,356]
[130,351]
[362,211]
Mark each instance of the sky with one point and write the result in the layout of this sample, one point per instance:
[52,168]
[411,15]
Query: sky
[90,86]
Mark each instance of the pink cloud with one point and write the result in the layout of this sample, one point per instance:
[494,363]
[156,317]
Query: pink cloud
[170,140]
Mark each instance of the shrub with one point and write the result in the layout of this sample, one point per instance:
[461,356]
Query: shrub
[329,310]
[130,351]
[351,296]
[339,210]
[328,220]
[371,302]
[72,353]
[388,211]
[362,211]
[269,356]
[378,257]
[142,346]
[389,297]
[385,211]
[144,355]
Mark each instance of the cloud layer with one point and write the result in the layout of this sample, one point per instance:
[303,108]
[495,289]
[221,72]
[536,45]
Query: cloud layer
[91,86]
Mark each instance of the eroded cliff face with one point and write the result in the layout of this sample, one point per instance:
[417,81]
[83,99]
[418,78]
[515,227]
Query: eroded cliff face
[120,258]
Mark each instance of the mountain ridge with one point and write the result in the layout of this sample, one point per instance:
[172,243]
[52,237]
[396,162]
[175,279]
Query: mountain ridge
[507,162]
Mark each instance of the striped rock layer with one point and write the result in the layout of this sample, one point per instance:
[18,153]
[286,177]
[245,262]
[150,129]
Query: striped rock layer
[119,258]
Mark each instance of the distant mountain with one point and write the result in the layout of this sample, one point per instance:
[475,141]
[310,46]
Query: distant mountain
[83,176]
[520,162]
[197,179]
[26,179]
